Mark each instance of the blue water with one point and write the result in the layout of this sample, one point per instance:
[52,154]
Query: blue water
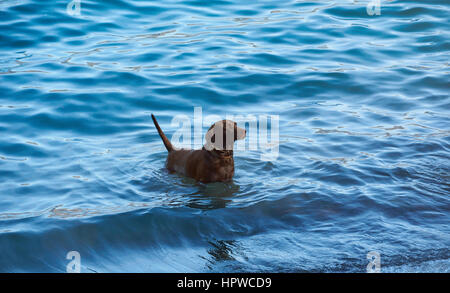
[363,165]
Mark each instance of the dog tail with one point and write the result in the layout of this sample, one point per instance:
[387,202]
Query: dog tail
[164,138]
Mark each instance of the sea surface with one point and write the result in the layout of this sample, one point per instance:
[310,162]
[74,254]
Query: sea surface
[364,135]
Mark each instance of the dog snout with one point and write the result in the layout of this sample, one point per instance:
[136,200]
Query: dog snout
[241,133]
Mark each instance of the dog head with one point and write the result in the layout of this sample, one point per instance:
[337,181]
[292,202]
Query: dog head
[222,135]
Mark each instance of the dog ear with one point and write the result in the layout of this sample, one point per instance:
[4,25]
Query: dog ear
[210,138]
[220,142]
[213,137]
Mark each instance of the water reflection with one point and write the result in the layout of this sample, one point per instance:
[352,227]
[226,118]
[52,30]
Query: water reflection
[213,195]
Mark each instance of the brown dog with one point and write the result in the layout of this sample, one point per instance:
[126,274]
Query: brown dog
[214,162]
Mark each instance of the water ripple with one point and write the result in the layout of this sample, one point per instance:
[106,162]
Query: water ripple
[364,135]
